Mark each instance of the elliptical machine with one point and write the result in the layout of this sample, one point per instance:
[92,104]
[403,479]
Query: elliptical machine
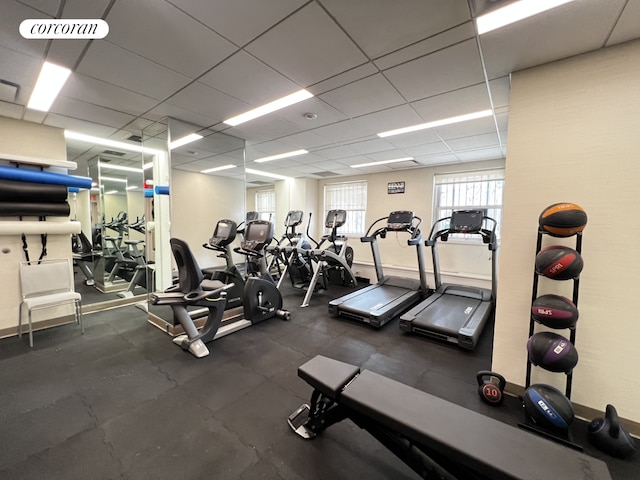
[261,298]
[277,261]
[314,268]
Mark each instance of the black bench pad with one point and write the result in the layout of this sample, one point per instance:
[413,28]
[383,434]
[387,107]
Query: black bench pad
[483,444]
[327,375]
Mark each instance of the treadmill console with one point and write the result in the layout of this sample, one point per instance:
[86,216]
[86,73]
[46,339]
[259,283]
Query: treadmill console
[466,221]
[399,221]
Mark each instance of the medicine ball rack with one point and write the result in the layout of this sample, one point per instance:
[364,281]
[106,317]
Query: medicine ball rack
[532,322]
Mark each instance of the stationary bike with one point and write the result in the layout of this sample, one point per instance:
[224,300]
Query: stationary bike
[261,299]
[223,236]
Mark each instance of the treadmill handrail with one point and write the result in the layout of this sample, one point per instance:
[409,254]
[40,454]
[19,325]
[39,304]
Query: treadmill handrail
[488,236]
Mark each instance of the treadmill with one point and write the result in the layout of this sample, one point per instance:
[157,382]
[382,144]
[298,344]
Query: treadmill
[456,313]
[378,304]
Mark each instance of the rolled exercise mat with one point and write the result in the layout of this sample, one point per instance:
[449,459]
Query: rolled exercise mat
[36,176]
[16,191]
[28,227]
[15,209]
[162,190]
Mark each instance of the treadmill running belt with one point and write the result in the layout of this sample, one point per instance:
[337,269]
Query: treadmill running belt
[447,314]
[384,294]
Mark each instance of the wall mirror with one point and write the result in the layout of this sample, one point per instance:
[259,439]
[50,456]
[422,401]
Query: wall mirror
[110,253]
[206,183]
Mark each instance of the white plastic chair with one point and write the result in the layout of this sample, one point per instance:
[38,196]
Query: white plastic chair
[46,285]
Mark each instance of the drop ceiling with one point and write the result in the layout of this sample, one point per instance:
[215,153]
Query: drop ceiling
[373,65]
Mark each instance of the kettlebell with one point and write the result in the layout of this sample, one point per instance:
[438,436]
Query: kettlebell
[490,386]
[607,435]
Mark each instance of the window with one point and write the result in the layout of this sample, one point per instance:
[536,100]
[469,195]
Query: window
[266,205]
[349,196]
[469,191]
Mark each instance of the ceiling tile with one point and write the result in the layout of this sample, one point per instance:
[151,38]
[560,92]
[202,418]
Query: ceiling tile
[364,96]
[565,31]
[474,142]
[256,17]
[427,46]
[480,154]
[10,19]
[369,147]
[264,128]
[304,140]
[427,149]
[345,130]
[177,41]
[70,107]
[98,92]
[20,69]
[325,114]
[134,72]
[88,128]
[49,7]
[11,110]
[165,110]
[344,78]
[380,26]
[206,101]
[389,119]
[458,102]
[454,67]
[438,160]
[627,25]
[466,129]
[320,50]
[244,77]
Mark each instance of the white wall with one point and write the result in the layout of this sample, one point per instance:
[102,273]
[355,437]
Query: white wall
[27,139]
[573,137]
[463,260]
[198,201]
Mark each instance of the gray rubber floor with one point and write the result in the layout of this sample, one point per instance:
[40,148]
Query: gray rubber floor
[123,402]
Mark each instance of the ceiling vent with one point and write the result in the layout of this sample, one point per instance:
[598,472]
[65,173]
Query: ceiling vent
[260,183]
[134,138]
[8,91]
[325,174]
[114,153]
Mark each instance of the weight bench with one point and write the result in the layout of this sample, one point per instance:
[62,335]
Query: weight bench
[434,437]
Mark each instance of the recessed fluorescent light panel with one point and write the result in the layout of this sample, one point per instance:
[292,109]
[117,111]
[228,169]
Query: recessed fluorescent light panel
[112,179]
[147,166]
[50,81]
[106,166]
[192,137]
[132,187]
[217,169]
[111,192]
[514,12]
[437,123]
[283,102]
[108,143]
[295,153]
[266,174]
[382,162]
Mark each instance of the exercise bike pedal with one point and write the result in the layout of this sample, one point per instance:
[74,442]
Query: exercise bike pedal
[298,421]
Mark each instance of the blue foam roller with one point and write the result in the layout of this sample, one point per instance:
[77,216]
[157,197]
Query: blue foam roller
[74,189]
[148,193]
[36,176]
[162,190]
